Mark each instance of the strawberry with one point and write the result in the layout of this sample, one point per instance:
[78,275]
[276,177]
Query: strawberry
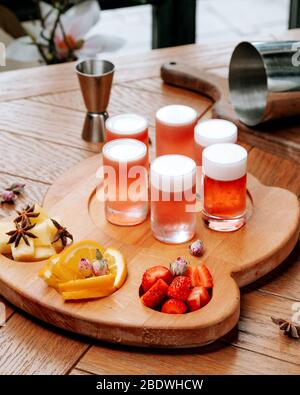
[198,298]
[156,294]
[174,306]
[199,276]
[205,277]
[155,273]
[180,288]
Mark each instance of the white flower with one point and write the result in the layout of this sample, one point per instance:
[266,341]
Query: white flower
[76,23]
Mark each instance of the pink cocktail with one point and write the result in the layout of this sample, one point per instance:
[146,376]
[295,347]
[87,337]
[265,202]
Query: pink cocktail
[125,163]
[224,186]
[213,131]
[173,197]
[175,130]
[131,126]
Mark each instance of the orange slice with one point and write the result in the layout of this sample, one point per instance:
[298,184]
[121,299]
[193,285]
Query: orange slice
[84,294]
[62,272]
[72,255]
[117,265]
[102,283]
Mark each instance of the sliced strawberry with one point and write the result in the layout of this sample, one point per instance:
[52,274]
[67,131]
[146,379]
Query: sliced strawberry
[198,298]
[180,288]
[174,306]
[155,273]
[205,277]
[199,276]
[156,294]
[192,274]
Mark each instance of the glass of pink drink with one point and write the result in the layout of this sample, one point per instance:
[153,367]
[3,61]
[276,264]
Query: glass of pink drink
[209,132]
[175,130]
[213,131]
[173,198]
[224,186]
[131,126]
[125,163]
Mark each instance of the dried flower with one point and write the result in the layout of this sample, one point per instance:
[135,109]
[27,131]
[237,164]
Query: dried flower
[21,232]
[85,268]
[196,248]
[100,265]
[8,197]
[179,267]
[61,234]
[16,188]
[290,329]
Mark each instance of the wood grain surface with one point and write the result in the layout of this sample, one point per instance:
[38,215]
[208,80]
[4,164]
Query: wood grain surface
[121,318]
[240,352]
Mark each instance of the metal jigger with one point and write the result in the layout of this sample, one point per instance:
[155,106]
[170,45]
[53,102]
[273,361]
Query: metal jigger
[95,79]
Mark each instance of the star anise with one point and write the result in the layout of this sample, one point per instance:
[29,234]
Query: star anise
[25,215]
[21,232]
[290,329]
[61,234]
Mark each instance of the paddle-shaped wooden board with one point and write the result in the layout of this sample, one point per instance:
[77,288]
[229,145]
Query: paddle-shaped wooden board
[234,259]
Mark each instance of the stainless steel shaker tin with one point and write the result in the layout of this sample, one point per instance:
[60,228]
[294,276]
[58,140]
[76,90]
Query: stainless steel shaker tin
[264,81]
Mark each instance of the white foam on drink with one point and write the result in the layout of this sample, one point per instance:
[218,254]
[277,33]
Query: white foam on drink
[124,150]
[215,131]
[176,115]
[173,173]
[225,162]
[126,124]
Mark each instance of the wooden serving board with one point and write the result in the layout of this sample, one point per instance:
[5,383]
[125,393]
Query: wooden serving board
[234,259]
[281,137]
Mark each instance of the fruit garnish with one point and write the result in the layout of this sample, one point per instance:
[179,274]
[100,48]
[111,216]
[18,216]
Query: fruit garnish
[156,294]
[85,268]
[117,265]
[61,234]
[174,306]
[100,265]
[103,283]
[178,267]
[25,215]
[199,297]
[184,293]
[155,273]
[200,276]
[71,272]
[20,232]
[86,294]
[196,248]
[180,288]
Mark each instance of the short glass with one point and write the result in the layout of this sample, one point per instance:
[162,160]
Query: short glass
[127,126]
[213,131]
[125,163]
[173,198]
[224,186]
[175,130]
[209,132]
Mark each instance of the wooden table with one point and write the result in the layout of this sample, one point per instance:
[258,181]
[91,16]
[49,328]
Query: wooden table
[41,116]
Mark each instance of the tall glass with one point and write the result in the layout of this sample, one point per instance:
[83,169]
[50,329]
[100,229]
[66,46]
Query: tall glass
[173,198]
[175,130]
[213,131]
[125,164]
[224,186]
[127,126]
